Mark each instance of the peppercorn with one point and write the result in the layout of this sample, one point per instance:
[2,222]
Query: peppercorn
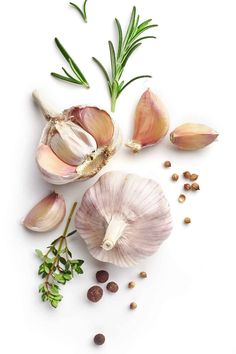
[95,293]
[195,187]
[102,276]
[99,339]
[167,164]
[143,275]
[193,177]
[133,306]
[187,174]
[187,186]
[131,285]
[112,287]
[187,220]
[175,177]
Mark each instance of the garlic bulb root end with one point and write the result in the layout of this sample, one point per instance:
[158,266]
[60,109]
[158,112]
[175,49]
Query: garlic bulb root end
[135,146]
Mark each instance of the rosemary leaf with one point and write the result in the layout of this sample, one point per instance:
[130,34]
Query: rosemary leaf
[83,11]
[127,45]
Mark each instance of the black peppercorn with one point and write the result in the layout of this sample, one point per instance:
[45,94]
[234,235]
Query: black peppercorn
[112,287]
[102,276]
[99,339]
[95,293]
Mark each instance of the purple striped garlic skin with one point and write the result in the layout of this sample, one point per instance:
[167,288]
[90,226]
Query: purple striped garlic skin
[76,143]
[123,218]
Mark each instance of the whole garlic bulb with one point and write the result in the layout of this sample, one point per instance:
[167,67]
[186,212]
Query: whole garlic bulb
[76,143]
[123,218]
[151,122]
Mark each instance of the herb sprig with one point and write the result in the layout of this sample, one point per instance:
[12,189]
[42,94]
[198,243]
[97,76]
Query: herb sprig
[83,11]
[57,266]
[78,77]
[127,44]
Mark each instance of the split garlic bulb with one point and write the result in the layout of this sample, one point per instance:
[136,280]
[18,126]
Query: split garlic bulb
[76,143]
[123,218]
[151,122]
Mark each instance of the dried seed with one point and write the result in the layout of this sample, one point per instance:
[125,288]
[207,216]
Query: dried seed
[187,174]
[167,164]
[195,187]
[187,220]
[131,285]
[143,275]
[193,177]
[133,306]
[99,339]
[112,287]
[102,276]
[187,186]
[181,198]
[95,293]
[175,177]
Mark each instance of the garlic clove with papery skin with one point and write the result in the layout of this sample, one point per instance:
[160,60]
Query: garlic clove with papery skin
[123,218]
[76,143]
[151,122]
[47,214]
[192,136]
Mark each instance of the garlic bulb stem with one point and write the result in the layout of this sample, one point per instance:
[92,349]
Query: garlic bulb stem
[114,231]
[47,109]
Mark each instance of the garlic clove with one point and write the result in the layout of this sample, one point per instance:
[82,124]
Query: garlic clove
[123,218]
[71,143]
[96,122]
[47,214]
[53,169]
[151,122]
[192,136]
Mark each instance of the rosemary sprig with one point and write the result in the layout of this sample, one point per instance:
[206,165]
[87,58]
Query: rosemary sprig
[57,266]
[83,11]
[78,77]
[127,44]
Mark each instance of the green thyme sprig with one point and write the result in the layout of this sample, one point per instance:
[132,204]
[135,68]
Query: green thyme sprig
[57,266]
[78,77]
[83,11]
[127,44]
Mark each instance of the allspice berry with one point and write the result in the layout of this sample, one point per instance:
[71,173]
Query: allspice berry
[195,187]
[133,306]
[167,164]
[187,174]
[143,275]
[193,177]
[187,186]
[175,177]
[95,293]
[187,220]
[99,339]
[102,276]
[112,287]
[131,285]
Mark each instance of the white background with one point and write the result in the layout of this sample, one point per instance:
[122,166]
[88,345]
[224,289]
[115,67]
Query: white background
[187,304]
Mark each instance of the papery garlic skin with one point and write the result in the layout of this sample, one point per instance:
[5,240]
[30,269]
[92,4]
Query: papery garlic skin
[47,214]
[151,122]
[191,136]
[123,218]
[76,143]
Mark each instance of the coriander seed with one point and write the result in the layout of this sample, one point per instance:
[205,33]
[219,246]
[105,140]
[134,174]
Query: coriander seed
[175,177]
[181,198]
[187,186]
[187,220]
[193,177]
[187,174]
[167,164]
[131,285]
[99,339]
[143,275]
[133,306]
[195,187]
